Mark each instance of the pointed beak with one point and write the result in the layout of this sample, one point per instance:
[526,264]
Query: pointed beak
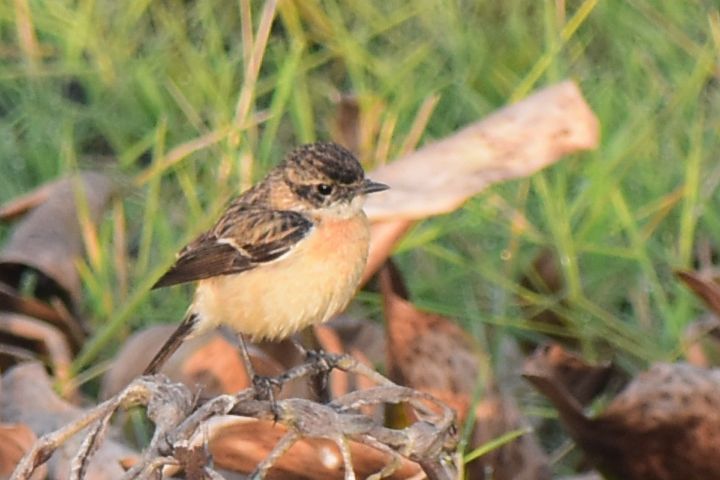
[369,186]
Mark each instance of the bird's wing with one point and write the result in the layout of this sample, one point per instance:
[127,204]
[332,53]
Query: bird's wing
[240,241]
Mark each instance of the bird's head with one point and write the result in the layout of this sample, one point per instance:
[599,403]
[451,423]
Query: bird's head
[327,177]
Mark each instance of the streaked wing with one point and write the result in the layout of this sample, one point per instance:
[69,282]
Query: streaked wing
[241,240]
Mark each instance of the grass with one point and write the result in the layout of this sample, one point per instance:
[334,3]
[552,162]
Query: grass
[194,100]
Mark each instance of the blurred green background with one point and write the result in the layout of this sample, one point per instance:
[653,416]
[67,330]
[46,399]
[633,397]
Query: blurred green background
[196,99]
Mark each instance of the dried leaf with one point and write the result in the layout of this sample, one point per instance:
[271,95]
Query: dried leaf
[432,354]
[428,352]
[15,440]
[42,338]
[384,235]
[54,313]
[663,426]
[28,398]
[49,239]
[582,380]
[513,142]
[241,444]
[704,286]
[18,206]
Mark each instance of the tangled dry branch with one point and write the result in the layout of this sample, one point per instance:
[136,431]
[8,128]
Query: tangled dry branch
[180,420]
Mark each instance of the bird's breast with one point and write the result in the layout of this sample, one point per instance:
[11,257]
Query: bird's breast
[308,285]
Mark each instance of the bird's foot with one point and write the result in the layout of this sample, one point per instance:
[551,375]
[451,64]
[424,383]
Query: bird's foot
[322,362]
[321,359]
[265,389]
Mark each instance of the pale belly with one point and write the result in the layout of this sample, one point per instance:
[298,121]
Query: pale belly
[308,286]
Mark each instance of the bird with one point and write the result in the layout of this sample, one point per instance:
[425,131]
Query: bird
[287,253]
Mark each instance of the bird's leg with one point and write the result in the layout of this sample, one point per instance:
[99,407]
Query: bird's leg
[264,386]
[318,357]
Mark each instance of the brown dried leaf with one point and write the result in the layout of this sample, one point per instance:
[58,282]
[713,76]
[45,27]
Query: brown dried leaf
[432,354]
[241,443]
[28,398]
[664,425]
[704,286]
[582,380]
[41,338]
[49,239]
[520,459]
[18,206]
[15,440]
[428,352]
[54,313]
[384,235]
[513,142]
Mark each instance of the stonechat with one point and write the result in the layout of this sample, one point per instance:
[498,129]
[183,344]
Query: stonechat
[286,254]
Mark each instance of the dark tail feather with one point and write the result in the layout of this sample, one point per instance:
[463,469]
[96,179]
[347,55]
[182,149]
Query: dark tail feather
[172,344]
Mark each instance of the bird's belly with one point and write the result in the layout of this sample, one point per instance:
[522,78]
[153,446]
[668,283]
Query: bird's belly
[309,285]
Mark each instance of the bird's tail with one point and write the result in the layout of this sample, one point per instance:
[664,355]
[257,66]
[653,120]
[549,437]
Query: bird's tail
[183,330]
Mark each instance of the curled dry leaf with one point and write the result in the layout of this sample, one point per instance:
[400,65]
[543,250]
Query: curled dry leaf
[240,444]
[54,313]
[704,286]
[432,354]
[18,206]
[582,380]
[15,440]
[663,426]
[427,351]
[513,142]
[38,336]
[28,398]
[49,239]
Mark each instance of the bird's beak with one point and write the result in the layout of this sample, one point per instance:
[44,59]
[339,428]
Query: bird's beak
[369,186]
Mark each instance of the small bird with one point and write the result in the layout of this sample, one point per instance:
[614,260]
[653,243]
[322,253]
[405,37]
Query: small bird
[286,254]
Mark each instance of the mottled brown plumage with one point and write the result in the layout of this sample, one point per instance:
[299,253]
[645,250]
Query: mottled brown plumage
[266,221]
[285,254]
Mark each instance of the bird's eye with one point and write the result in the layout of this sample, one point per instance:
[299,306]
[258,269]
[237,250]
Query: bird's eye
[324,189]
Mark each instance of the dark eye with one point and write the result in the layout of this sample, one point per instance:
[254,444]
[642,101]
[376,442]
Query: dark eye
[324,189]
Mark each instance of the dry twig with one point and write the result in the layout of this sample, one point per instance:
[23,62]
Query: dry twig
[179,421]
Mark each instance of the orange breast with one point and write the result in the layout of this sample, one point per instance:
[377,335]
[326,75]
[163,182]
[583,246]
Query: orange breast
[309,285]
